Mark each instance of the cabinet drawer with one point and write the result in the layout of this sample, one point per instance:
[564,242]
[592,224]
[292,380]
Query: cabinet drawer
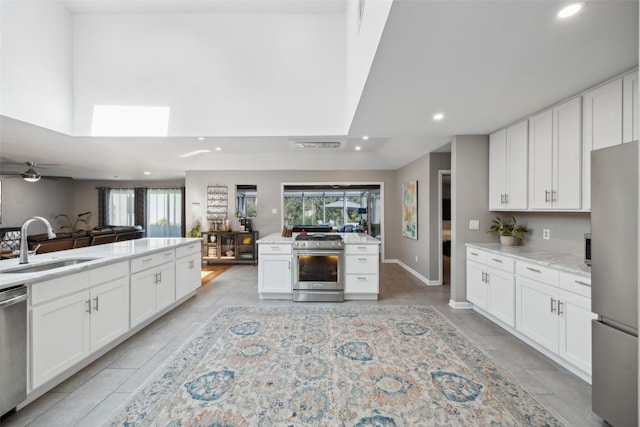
[361,283]
[361,264]
[537,272]
[152,260]
[360,249]
[476,255]
[54,288]
[274,248]
[108,273]
[188,249]
[501,262]
[575,283]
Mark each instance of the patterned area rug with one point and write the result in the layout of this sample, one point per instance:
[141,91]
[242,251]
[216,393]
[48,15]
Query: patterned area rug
[331,366]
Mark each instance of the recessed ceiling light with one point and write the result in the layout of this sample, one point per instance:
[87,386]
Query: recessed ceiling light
[193,153]
[147,173]
[358,148]
[218,149]
[200,138]
[570,10]
[438,116]
[365,137]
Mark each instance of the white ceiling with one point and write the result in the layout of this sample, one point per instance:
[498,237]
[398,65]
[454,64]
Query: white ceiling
[484,64]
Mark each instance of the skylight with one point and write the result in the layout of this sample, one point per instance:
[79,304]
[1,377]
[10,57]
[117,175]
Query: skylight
[129,120]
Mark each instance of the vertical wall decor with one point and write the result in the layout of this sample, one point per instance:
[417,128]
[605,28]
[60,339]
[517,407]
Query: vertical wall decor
[410,210]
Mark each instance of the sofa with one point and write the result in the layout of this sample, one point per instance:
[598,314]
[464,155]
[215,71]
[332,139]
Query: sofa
[96,236]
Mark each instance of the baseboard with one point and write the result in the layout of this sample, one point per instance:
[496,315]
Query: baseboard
[412,271]
[460,305]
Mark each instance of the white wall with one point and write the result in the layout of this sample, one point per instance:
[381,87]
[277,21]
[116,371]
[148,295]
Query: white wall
[362,43]
[221,74]
[36,63]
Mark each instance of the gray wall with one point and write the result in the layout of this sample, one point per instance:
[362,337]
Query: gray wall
[469,200]
[269,185]
[437,162]
[46,198]
[566,229]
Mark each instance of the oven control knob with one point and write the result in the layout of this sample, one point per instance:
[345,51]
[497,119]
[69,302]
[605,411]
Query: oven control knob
[318,244]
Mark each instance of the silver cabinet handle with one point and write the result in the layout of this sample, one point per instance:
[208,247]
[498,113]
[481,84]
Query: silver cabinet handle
[97,303]
[473,253]
[483,277]
[160,277]
[560,304]
[362,278]
[506,199]
[146,259]
[289,265]
[580,282]
[361,247]
[14,300]
[553,196]
[502,199]
[88,302]
[275,248]
[553,305]
[535,270]
[546,196]
[168,254]
[362,259]
[497,260]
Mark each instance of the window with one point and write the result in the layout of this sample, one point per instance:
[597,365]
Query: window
[164,212]
[247,200]
[120,206]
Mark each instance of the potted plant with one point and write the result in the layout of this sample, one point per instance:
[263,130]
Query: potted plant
[509,230]
[195,231]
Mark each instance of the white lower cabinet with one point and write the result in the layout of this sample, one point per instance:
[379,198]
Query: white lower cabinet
[274,271]
[555,312]
[361,271]
[188,268]
[490,284]
[73,316]
[151,291]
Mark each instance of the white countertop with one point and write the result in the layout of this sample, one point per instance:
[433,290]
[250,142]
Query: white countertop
[103,254]
[348,238]
[558,260]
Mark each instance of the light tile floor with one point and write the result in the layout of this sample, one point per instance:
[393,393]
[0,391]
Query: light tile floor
[89,397]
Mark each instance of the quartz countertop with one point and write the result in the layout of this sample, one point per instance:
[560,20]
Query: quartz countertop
[104,254]
[558,260]
[348,238]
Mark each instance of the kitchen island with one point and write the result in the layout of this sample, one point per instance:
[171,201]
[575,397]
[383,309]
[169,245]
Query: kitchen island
[361,266]
[83,302]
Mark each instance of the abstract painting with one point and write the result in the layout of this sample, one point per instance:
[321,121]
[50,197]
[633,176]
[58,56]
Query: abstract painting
[410,210]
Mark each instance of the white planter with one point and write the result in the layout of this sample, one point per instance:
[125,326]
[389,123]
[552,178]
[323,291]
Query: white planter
[509,241]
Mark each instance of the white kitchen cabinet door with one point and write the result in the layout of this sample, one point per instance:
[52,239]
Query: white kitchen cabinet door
[517,166]
[630,108]
[508,156]
[109,312]
[497,169]
[477,292]
[601,127]
[143,296]
[575,316]
[536,312]
[566,191]
[187,274]
[274,274]
[501,296]
[60,336]
[166,286]
[541,159]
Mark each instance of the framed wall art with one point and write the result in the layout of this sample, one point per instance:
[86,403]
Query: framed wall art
[410,210]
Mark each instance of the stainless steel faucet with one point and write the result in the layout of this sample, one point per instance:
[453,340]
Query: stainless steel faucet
[24,258]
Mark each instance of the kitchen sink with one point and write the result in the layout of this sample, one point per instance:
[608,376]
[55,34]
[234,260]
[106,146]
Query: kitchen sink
[48,266]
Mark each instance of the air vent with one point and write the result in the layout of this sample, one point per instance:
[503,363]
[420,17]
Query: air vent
[318,145]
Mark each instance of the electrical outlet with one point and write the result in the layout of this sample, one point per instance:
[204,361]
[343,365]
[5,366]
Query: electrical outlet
[474,224]
[274,211]
[416,258]
[546,234]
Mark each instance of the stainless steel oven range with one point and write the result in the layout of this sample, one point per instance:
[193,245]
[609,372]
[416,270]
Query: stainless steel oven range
[318,268]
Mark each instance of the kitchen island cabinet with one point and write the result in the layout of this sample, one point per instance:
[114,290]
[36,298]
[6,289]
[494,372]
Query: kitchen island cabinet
[80,311]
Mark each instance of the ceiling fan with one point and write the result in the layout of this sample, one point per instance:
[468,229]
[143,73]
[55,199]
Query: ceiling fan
[31,175]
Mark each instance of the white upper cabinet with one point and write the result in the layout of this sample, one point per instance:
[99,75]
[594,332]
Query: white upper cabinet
[555,158]
[508,182]
[602,127]
[630,110]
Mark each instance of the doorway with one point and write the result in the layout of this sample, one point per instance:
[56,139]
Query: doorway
[444,221]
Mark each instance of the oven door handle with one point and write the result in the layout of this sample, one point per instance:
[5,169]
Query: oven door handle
[318,252]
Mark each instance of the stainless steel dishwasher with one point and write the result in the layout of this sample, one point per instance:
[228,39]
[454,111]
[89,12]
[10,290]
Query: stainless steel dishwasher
[13,347]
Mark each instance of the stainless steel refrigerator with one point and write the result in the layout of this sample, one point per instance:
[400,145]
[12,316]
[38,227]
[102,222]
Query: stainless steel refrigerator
[614,288]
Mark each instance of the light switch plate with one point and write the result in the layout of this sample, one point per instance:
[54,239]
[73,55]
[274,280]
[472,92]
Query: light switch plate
[274,211]
[474,224]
